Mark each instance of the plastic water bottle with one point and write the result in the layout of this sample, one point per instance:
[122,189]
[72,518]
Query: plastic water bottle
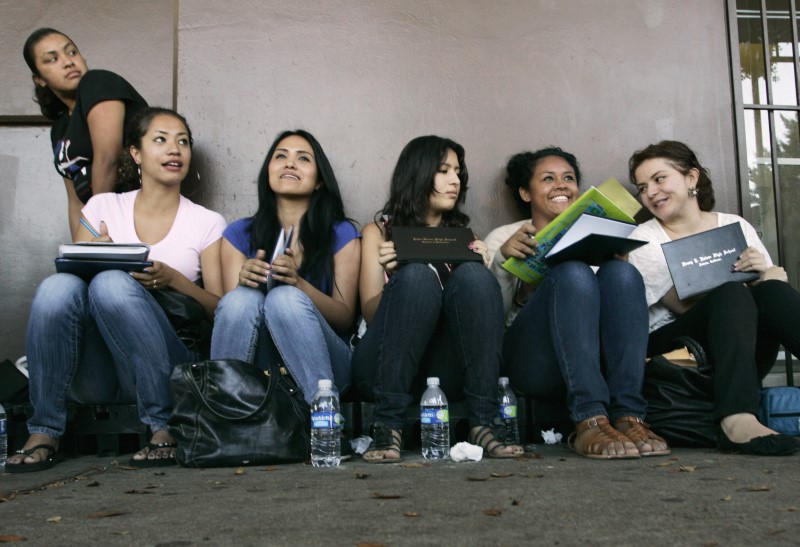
[3,439]
[325,426]
[508,412]
[435,418]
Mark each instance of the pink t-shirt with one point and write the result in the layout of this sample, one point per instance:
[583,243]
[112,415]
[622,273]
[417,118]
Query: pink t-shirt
[194,229]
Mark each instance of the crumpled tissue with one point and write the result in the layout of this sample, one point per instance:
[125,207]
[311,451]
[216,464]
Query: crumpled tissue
[551,437]
[462,452]
[360,444]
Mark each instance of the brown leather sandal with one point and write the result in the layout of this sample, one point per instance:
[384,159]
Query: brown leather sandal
[594,437]
[639,432]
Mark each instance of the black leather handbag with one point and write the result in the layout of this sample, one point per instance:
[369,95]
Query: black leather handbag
[231,413]
[188,317]
[680,399]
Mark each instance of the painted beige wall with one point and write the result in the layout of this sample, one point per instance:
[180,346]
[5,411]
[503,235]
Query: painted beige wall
[598,78]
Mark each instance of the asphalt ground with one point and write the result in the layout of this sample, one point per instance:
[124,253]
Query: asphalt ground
[550,497]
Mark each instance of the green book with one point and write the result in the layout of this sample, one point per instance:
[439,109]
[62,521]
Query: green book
[596,201]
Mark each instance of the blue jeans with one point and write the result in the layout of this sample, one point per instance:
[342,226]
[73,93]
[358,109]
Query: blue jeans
[102,343]
[586,335]
[420,330]
[285,326]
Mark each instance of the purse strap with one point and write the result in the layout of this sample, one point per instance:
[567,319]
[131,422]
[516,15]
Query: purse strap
[697,351]
[273,374]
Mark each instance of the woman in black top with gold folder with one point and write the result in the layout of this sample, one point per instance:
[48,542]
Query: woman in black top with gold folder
[440,319]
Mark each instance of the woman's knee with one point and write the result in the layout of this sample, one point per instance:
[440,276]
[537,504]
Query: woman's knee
[285,303]
[58,293]
[417,276]
[113,288]
[573,276]
[473,274]
[734,296]
[239,304]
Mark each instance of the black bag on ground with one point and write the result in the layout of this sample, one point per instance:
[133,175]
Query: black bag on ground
[231,413]
[13,384]
[680,399]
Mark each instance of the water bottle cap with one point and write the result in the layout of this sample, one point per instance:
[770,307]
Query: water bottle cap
[503,381]
[325,384]
[433,381]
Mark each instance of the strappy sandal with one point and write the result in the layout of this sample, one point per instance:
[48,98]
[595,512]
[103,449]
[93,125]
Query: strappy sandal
[592,439]
[639,432]
[155,462]
[383,440]
[47,462]
[483,436]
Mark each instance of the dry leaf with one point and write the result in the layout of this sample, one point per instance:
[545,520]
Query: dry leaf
[562,459]
[497,475]
[92,484]
[759,488]
[711,544]
[271,468]
[411,514]
[11,538]
[727,498]
[159,474]
[516,503]
[687,468]
[492,512]
[477,479]
[415,465]
[239,471]
[135,491]
[129,468]
[775,532]
[123,532]
[534,475]
[790,509]
[378,495]
[107,514]
[370,545]
[54,519]
[665,464]
[361,475]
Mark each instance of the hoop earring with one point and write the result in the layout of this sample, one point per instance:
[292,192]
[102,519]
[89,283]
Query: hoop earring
[693,192]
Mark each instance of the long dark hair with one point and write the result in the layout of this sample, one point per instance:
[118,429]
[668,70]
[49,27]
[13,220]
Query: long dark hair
[316,230]
[413,182]
[51,106]
[683,159]
[521,167]
[135,130]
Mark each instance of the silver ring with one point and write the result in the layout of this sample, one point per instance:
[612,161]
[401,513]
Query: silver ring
[154,283]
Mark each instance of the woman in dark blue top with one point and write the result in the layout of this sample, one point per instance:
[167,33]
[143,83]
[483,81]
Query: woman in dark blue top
[89,110]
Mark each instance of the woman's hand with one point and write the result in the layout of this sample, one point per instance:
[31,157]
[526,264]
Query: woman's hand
[387,257]
[254,270]
[284,268]
[157,276]
[480,248]
[521,244]
[751,261]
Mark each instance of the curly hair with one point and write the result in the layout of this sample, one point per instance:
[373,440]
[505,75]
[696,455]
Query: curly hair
[520,169]
[682,158]
[50,105]
[413,183]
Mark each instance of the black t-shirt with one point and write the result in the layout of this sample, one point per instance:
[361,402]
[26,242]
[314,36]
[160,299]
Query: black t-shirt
[72,144]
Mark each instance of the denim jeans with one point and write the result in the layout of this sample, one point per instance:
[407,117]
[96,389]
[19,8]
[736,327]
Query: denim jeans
[106,342]
[421,330]
[284,326]
[740,328]
[583,334]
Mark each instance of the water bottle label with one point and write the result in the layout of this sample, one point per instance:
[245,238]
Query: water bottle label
[3,430]
[434,416]
[508,411]
[326,420]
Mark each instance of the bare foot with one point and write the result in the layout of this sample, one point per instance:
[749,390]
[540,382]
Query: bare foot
[37,455]
[167,451]
[744,427]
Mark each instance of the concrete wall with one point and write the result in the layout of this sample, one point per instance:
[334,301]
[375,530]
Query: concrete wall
[600,79]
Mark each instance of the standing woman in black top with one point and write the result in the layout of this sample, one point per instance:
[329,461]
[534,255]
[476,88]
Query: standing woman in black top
[89,110]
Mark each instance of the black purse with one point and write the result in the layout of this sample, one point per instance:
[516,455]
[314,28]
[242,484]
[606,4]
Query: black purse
[231,413]
[188,318]
[680,399]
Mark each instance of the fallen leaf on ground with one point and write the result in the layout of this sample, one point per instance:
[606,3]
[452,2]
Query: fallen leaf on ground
[687,468]
[497,475]
[710,544]
[129,468]
[411,514]
[477,479]
[239,471]
[270,469]
[370,545]
[775,532]
[727,498]
[492,512]
[562,459]
[54,519]
[135,491]
[534,475]
[123,532]
[361,475]
[107,514]
[758,488]
[159,473]
[378,495]
[665,464]
[516,503]
[415,465]
[791,509]
[11,538]
[92,484]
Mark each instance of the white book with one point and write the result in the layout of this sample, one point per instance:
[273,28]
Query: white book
[92,250]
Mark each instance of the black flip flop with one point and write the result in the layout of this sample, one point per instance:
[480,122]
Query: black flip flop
[155,462]
[52,458]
